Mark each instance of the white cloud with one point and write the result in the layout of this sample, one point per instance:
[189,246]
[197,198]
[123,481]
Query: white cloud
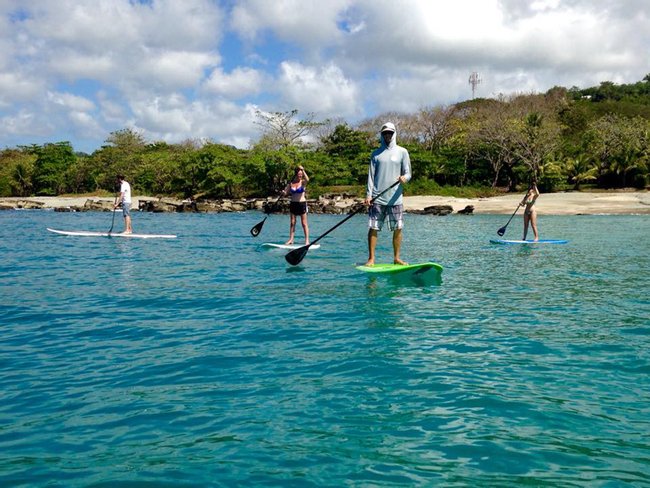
[176,119]
[111,111]
[239,83]
[306,22]
[325,91]
[24,123]
[175,69]
[86,125]
[17,88]
[105,25]
[196,68]
[70,101]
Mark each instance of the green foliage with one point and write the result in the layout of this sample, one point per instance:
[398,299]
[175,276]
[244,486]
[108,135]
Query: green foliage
[81,175]
[217,171]
[277,166]
[429,187]
[52,162]
[346,154]
[596,136]
[550,176]
[16,172]
[580,169]
[620,147]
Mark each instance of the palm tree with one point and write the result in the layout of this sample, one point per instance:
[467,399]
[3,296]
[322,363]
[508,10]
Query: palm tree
[581,169]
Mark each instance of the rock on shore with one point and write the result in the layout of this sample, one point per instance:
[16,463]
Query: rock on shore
[565,203]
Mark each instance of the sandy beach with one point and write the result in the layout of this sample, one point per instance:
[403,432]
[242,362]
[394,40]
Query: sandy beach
[565,203]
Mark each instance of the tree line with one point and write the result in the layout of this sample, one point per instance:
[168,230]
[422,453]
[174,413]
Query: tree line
[564,138]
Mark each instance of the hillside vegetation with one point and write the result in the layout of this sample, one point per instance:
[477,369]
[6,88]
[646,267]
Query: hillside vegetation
[564,138]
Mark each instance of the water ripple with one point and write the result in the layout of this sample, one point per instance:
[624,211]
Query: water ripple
[205,362]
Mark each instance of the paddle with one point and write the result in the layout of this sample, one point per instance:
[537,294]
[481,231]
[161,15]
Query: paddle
[256,229]
[113,220]
[502,230]
[294,257]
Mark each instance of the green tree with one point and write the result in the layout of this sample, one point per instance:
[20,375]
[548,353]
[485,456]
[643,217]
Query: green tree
[16,171]
[620,145]
[159,168]
[347,154]
[219,171]
[81,176]
[580,169]
[122,154]
[52,162]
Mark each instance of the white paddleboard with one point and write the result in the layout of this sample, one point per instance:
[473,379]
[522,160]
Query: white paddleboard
[271,245]
[528,241]
[112,234]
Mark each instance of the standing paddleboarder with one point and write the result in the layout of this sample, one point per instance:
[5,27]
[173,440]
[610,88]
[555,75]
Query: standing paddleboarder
[530,213]
[388,164]
[125,200]
[297,189]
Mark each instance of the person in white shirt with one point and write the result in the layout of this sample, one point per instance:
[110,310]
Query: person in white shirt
[125,201]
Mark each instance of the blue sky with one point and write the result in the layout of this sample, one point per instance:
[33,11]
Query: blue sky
[200,69]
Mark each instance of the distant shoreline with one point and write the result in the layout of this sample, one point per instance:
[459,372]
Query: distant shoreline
[563,203]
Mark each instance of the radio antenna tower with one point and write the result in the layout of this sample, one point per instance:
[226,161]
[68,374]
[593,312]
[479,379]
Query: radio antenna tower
[474,79]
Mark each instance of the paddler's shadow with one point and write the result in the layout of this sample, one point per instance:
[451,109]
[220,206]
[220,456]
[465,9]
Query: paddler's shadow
[295,269]
[394,286]
[526,250]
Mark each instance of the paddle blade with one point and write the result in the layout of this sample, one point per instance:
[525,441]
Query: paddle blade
[294,257]
[255,231]
[501,231]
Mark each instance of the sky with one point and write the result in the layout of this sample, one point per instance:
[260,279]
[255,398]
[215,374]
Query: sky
[173,70]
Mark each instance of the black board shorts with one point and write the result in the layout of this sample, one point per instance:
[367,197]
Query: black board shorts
[298,208]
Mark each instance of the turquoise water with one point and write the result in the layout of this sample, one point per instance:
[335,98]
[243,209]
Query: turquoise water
[203,361]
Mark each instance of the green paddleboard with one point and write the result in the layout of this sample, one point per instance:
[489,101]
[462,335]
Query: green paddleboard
[424,273]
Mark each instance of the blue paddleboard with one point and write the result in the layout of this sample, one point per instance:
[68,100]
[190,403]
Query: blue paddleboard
[528,241]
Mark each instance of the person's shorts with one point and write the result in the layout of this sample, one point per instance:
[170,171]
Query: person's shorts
[126,209]
[377,215]
[298,208]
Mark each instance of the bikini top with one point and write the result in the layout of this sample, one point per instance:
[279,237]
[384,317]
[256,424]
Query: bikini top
[300,189]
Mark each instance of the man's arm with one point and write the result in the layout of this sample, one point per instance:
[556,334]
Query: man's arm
[406,167]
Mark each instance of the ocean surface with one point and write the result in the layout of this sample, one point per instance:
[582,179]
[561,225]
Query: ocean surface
[204,361]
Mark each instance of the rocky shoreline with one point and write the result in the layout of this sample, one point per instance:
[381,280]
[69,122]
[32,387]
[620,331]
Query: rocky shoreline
[328,204]
[620,202]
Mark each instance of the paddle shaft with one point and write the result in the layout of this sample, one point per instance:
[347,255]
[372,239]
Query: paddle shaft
[113,219]
[502,230]
[511,217]
[353,213]
[257,228]
[294,257]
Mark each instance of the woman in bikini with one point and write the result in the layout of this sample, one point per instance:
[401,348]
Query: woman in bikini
[530,213]
[298,204]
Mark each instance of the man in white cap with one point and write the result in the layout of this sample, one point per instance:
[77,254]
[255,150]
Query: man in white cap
[388,164]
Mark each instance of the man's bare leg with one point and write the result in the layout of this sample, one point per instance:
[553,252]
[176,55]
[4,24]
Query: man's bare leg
[397,246]
[372,243]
